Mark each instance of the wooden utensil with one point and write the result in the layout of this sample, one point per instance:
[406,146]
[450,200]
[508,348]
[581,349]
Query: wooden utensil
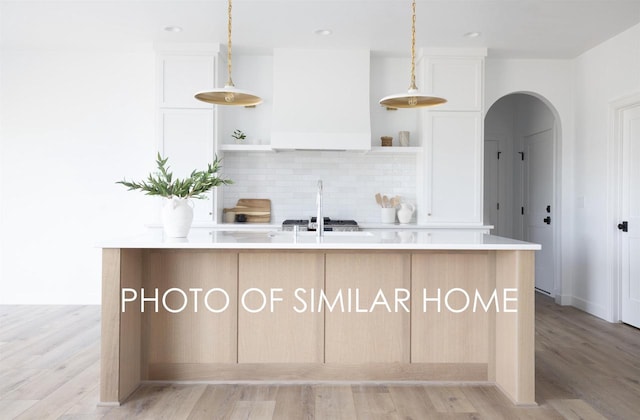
[379,199]
[386,201]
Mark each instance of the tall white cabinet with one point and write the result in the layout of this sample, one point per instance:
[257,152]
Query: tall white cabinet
[451,171]
[186,128]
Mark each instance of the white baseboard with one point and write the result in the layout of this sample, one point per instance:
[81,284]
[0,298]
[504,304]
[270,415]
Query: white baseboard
[590,308]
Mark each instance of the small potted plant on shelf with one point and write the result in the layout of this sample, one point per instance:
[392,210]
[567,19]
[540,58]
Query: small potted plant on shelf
[239,136]
[177,211]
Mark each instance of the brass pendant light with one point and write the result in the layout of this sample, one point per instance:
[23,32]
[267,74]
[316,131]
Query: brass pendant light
[229,95]
[413,98]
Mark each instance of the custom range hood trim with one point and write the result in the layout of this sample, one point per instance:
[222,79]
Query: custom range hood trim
[321,99]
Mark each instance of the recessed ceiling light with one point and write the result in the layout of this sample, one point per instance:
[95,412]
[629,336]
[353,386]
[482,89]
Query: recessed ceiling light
[173,29]
[323,32]
[472,34]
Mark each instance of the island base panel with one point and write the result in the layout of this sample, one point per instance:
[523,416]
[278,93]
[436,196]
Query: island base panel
[120,359]
[310,372]
[498,347]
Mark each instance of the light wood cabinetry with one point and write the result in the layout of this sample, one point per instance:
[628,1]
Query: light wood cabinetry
[282,335]
[361,339]
[362,333]
[513,363]
[120,359]
[191,334]
[453,337]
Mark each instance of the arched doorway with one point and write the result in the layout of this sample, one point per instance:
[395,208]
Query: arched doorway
[521,133]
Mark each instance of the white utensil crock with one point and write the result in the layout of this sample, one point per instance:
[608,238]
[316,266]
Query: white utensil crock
[388,215]
[177,215]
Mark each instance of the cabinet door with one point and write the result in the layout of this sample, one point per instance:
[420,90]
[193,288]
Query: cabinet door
[378,336]
[284,335]
[195,334]
[438,333]
[459,80]
[187,140]
[453,167]
[181,76]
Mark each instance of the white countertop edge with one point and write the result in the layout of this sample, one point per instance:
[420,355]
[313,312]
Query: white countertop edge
[368,239]
[362,225]
[397,226]
[225,226]
[326,246]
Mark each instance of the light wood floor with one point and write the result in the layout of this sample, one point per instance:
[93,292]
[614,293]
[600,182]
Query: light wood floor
[585,369]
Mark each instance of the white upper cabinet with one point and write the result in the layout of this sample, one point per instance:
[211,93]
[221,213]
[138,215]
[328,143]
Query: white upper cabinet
[454,161]
[181,76]
[458,79]
[186,126]
[452,170]
[321,100]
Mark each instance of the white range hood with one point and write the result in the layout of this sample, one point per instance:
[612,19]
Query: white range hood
[321,100]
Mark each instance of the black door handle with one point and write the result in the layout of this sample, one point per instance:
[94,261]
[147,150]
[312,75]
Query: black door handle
[547,220]
[624,226]
[548,209]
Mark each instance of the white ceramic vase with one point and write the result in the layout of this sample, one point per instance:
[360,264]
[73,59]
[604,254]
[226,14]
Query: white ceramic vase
[405,213]
[177,215]
[403,137]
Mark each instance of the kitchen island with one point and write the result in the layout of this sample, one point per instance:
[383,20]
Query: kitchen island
[229,306]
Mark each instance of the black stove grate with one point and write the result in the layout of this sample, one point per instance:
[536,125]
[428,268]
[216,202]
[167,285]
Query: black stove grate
[329,224]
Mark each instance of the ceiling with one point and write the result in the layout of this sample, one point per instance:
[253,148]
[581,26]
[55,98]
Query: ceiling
[509,28]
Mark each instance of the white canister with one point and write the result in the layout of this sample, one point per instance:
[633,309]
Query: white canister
[388,215]
[403,138]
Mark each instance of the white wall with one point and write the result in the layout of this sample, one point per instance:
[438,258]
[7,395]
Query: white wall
[73,123]
[603,74]
[253,73]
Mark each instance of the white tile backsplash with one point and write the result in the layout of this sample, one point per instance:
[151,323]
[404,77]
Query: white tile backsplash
[289,180]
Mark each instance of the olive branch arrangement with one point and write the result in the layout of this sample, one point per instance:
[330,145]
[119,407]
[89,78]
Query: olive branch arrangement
[161,183]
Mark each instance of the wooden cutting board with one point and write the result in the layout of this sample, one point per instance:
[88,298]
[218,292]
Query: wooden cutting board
[258,210]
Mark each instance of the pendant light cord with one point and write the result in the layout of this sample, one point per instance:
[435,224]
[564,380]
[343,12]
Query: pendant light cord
[229,81]
[413,47]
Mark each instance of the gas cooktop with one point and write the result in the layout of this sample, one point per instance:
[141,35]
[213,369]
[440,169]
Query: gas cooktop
[329,225]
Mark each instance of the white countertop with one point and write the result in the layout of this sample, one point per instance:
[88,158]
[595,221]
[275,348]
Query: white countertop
[363,225]
[402,239]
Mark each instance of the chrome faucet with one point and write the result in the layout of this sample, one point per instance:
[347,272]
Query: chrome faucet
[319,217]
